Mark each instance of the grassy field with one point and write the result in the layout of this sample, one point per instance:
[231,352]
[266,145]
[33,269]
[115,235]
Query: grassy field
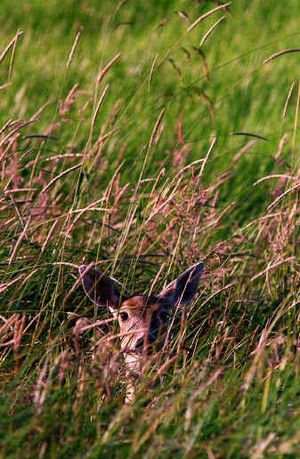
[138,138]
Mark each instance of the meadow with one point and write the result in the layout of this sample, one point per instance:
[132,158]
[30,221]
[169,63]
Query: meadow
[144,137]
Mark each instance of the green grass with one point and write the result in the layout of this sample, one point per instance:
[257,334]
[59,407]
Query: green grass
[147,198]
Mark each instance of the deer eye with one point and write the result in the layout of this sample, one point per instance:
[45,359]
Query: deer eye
[124,316]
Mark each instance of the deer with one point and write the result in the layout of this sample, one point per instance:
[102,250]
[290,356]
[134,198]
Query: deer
[143,320]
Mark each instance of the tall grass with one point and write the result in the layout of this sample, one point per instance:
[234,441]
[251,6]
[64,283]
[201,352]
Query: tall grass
[125,143]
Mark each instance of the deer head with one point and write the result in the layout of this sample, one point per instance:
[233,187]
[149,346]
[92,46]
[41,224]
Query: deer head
[143,320]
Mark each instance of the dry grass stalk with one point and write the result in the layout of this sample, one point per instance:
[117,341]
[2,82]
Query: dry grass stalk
[5,86]
[259,449]
[211,147]
[206,15]
[281,53]
[153,137]
[96,112]
[65,105]
[281,145]
[22,235]
[103,137]
[74,46]
[210,30]
[183,16]
[18,331]
[5,286]
[49,235]
[64,156]
[107,67]
[289,96]
[6,330]
[290,190]
[244,150]
[272,266]
[19,190]
[92,207]
[11,63]
[11,334]
[55,179]
[268,177]
[16,129]
[10,45]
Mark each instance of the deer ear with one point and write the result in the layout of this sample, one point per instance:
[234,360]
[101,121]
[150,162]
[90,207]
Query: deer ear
[100,288]
[183,289]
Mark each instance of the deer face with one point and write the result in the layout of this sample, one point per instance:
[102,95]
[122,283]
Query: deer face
[143,320]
